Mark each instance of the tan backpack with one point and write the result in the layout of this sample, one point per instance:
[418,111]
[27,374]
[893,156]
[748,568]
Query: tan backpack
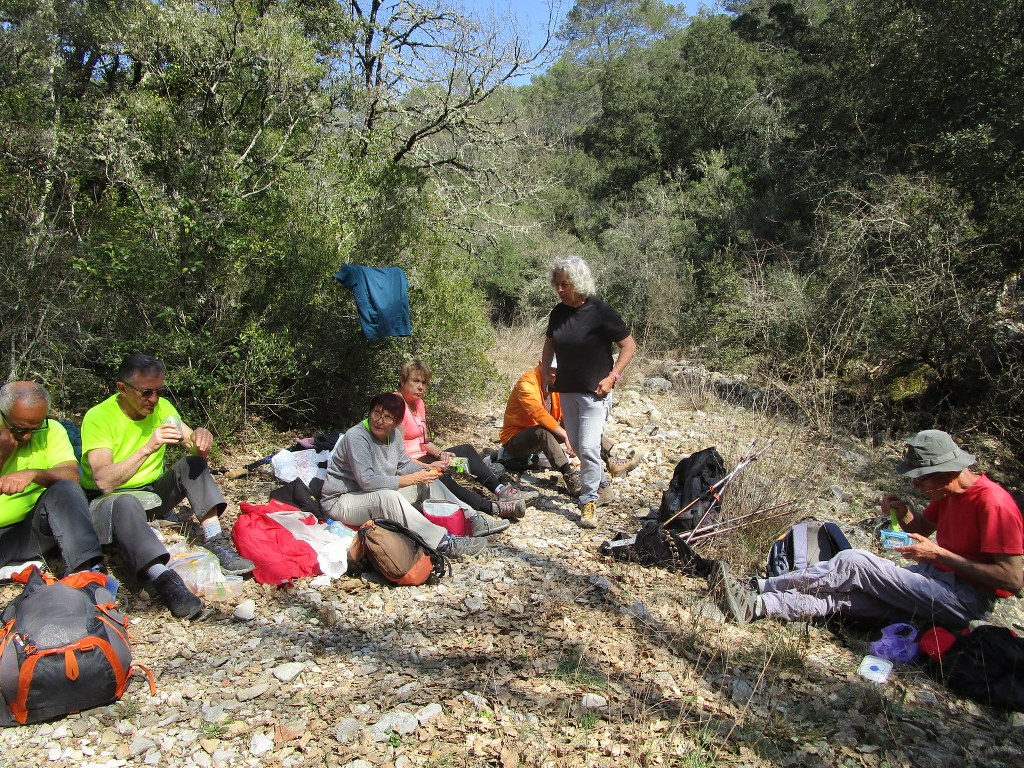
[396,553]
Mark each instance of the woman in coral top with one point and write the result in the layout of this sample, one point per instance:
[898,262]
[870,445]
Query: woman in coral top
[511,501]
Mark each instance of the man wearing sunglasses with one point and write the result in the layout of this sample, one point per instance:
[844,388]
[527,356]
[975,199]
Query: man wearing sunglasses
[124,439]
[42,506]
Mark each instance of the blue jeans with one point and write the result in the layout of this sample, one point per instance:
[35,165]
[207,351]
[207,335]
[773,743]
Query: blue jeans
[583,415]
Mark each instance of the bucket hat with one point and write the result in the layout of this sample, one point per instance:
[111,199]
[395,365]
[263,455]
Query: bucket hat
[932,451]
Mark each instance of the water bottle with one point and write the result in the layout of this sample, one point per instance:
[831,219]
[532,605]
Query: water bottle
[339,529]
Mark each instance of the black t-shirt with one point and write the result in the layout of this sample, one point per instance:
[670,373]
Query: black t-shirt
[583,339]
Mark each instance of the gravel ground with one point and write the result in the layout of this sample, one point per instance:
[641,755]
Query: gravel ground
[541,652]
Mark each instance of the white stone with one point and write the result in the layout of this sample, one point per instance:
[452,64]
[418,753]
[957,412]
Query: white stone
[245,610]
[347,730]
[425,714]
[260,744]
[289,671]
[394,722]
[592,702]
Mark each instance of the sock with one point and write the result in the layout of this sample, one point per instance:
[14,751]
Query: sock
[211,527]
[154,571]
[500,487]
[112,583]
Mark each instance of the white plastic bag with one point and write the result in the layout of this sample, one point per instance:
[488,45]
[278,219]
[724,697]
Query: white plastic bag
[289,465]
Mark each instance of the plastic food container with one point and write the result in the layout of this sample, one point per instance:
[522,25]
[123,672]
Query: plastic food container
[875,669]
[894,539]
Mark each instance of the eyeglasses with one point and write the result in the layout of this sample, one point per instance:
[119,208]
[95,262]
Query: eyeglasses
[161,391]
[19,432]
[382,416]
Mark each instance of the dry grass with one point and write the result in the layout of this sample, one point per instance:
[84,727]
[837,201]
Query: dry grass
[516,350]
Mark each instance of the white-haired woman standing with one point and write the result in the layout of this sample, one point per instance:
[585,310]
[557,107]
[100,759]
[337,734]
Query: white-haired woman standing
[581,331]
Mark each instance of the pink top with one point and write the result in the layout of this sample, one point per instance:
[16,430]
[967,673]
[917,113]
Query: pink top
[414,428]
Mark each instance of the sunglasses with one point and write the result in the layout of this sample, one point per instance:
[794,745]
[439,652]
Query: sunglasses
[19,432]
[161,392]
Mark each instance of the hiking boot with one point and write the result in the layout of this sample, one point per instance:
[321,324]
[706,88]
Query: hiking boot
[172,590]
[606,495]
[733,596]
[573,482]
[231,563]
[617,466]
[457,547]
[509,510]
[511,493]
[484,525]
[494,465]
[588,515]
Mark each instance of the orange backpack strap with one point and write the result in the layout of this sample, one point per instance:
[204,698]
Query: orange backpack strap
[84,578]
[24,575]
[145,673]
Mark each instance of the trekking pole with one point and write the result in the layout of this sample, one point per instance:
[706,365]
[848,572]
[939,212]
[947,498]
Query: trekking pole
[745,459]
[731,520]
[713,534]
[234,474]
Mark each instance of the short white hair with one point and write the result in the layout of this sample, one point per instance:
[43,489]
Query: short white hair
[27,392]
[578,273]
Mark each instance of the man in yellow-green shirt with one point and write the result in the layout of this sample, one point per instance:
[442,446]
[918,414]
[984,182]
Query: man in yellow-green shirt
[124,439]
[42,506]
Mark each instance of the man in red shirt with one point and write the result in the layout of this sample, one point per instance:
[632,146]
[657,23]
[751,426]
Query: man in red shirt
[974,559]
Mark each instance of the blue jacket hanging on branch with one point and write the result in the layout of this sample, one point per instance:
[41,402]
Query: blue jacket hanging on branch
[382,299]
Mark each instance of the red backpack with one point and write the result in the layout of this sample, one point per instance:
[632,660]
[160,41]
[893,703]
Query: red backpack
[63,648]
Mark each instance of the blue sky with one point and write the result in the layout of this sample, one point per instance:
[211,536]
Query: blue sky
[532,15]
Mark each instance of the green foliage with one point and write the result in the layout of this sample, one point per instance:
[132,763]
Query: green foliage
[181,179]
[829,194]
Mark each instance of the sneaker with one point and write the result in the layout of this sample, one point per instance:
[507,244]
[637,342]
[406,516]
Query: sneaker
[172,590]
[734,597]
[509,510]
[588,515]
[231,563]
[457,547]
[617,466]
[606,495]
[511,493]
[484,525]
[573,482]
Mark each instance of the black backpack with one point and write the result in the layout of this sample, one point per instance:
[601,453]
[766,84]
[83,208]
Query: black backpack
[63,648]
[655,545]
[805,544]
[692,481]
[986,665]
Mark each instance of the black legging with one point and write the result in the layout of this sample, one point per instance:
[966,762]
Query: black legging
[478,469]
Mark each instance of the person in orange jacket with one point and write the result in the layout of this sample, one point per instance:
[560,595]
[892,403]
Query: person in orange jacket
[533,424]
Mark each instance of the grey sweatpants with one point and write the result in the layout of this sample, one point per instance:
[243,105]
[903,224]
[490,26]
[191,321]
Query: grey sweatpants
[356,507]
[189,477]
[864,585]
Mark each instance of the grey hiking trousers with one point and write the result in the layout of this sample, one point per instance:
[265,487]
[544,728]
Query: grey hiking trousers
[860,584]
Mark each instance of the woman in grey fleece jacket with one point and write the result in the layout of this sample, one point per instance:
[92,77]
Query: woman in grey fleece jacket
[370,476]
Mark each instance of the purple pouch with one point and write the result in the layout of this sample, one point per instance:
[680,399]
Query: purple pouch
[898,644]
